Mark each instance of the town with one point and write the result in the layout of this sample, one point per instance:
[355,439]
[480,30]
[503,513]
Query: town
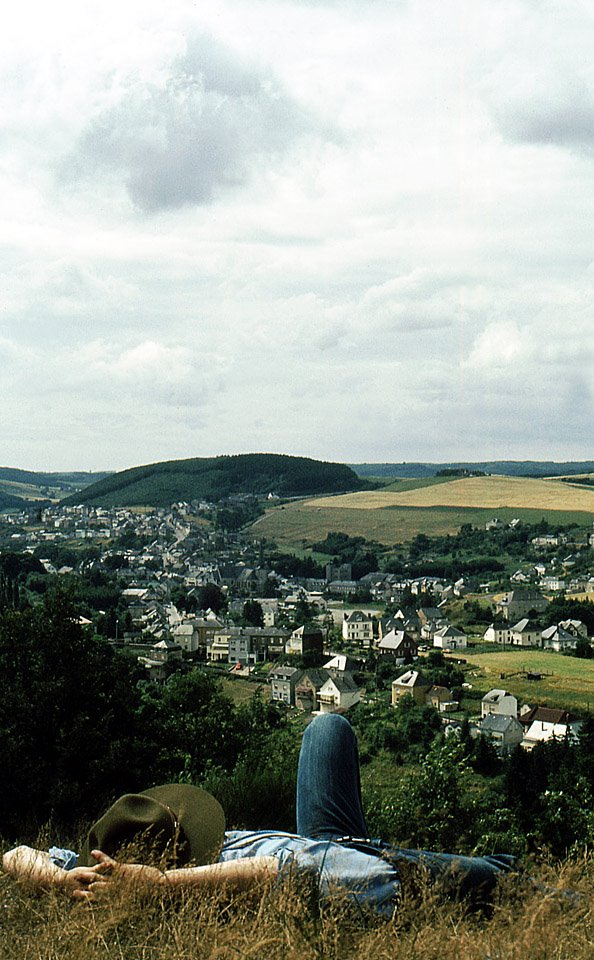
[184,586]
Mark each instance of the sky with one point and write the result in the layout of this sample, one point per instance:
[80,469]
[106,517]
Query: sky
[356,230]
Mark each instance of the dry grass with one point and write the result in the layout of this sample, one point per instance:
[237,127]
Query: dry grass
[394,516]
[491,492]
[526,924]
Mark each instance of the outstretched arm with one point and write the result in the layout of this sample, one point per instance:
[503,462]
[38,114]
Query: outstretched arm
[231,876]
[35,868]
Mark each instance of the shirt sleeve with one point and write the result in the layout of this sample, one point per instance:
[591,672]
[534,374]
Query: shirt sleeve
[61,857]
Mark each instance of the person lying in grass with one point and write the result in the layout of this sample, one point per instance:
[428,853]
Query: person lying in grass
[332,843]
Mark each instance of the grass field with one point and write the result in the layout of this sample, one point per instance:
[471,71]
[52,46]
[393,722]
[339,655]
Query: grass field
[566,681]
[490,492]
[28,491]
[411,507]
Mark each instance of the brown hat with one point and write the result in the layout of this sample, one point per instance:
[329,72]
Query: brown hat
[175,817]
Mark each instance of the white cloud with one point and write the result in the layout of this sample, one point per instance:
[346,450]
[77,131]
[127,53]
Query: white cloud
[501,344]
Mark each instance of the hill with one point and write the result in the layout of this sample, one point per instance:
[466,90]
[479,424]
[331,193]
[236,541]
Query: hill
[18,488]
[508,468]
[434,507]
[212,478]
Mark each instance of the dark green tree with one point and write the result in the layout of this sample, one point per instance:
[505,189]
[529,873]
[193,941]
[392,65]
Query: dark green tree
[253,613]
[66,717]
[211,597]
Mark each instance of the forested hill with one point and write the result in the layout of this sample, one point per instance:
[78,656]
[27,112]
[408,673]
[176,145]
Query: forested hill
[212,478]
[507,468]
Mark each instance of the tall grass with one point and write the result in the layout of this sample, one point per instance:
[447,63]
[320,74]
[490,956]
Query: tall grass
[526,923]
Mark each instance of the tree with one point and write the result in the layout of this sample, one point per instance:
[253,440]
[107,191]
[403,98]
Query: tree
[212,597]
[253,613]
[67,730]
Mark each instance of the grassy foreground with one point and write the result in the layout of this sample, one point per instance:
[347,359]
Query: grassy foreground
[526,924]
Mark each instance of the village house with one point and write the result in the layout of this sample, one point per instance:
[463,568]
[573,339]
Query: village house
[519,603]
[305,639]
[410,684]
[498,632]
[547,723]
[499,703]
[399,645]
[558,639]
[504,732]
[338,693]
[440,698]
[525,633]
[449,637]
[342,663]
[160,655]
[308,687]
[357,628]
[576,627]
[283,680]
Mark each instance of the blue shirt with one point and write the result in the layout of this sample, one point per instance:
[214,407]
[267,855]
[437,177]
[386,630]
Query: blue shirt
[366,880]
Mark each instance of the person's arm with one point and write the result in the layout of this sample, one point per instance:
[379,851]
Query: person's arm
[231,876]
[238,874]
[36,868]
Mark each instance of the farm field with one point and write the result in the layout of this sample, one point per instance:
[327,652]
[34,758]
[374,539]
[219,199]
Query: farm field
[566,681]
[397,514]
[490,492]
[29,491]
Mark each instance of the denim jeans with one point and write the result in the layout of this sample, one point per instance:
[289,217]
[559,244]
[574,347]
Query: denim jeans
[329,808]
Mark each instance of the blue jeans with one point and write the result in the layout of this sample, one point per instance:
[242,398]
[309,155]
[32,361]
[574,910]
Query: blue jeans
[329,808]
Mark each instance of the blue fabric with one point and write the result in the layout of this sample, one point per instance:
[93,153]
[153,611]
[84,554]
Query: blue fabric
[364,879]
[328,781]
[61,857]
[329,807]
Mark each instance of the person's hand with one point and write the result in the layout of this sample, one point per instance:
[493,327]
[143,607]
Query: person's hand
[108,869]
[85,883]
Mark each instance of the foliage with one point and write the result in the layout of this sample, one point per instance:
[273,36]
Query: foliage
[427,808]
[289,565]
[78,725]
[232,517]
[405,731]
[561,609]
[362,554]
[211,597]
[65,714]
[215,478]
[253,614]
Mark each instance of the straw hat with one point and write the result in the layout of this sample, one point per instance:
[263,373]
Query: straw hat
[177,818]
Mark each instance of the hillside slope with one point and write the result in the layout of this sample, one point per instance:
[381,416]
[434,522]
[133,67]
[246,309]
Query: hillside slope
[211,478]
[396,514]
[22,488]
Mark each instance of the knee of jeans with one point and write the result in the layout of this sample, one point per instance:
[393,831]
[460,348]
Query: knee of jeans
[329,720]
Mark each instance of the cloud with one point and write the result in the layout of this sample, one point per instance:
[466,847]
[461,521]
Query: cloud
[500,344]
[541,88]
[203,130]
[562,116]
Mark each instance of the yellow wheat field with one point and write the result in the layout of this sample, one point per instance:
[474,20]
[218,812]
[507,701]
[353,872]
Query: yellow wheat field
[389,516]
[477,492]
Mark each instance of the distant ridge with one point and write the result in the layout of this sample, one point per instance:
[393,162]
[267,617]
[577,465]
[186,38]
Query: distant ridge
[213,478]
[508,468]
[21,489]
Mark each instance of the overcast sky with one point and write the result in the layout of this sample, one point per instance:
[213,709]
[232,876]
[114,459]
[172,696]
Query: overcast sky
[348,230]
